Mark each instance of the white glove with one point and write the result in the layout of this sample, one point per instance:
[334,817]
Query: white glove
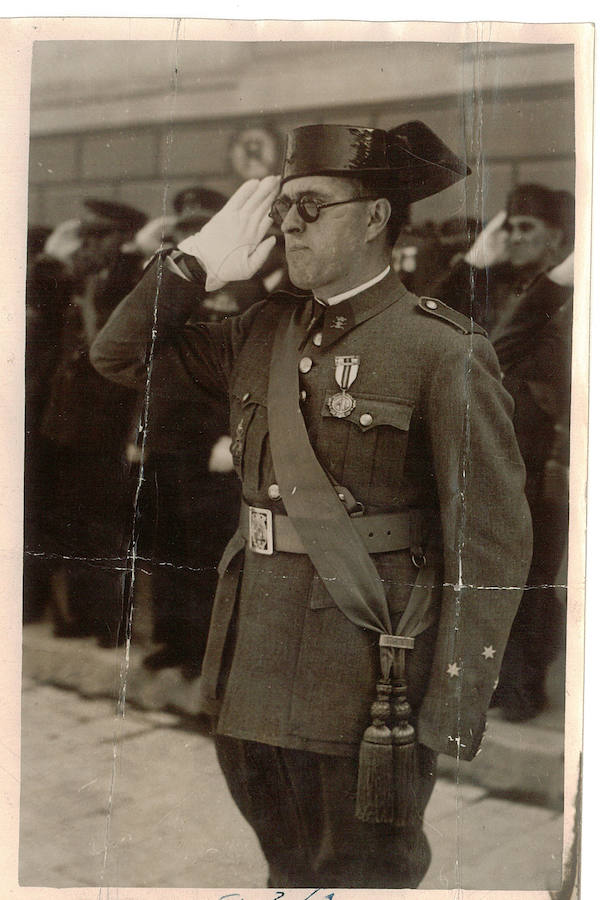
[231,245]
[149,238]
[64,241]
[220,459]
[491,245]
[563,273]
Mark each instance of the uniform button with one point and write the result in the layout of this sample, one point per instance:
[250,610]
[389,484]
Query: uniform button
[305,364]
[273,492]
[431,304]
[366,419]
[317,338]
[245,397]
[303,396]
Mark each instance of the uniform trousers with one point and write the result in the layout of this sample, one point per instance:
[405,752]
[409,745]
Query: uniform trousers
[89,526]
[189,515]
[301,806]
[539,630]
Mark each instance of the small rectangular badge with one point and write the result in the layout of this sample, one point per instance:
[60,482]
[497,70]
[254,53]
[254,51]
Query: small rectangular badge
[394,640]
[260,530]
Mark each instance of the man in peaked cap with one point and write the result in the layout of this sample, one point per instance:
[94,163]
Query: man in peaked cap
[106,226]
[359,620]
[198,199]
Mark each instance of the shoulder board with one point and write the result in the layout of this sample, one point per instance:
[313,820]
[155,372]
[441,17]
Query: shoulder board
[442,311]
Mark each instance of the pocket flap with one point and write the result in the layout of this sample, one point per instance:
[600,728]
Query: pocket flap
[371,412]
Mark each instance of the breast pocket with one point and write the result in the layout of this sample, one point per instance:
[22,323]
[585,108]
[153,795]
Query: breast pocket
[249,430]
[375,439]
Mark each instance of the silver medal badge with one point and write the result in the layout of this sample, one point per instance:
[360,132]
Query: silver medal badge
[342,404]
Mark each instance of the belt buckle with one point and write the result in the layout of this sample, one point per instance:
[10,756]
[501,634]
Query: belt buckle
[260,530]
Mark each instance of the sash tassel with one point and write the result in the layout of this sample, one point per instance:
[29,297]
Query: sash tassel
[388,749]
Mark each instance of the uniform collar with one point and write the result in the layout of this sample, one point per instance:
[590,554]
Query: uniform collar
[345,295]
[341,318]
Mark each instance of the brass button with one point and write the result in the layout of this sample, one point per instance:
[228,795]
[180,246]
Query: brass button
[305,364]
[365,419]
[273,492]
[245,397]
[303,396]
[317,338]
[431,304]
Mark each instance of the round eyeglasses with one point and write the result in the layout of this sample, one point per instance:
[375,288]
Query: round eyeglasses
[308,208]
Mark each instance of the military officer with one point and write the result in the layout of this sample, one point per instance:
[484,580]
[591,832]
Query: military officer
[366,597]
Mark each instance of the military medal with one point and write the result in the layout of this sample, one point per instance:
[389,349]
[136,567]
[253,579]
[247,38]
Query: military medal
[342,404]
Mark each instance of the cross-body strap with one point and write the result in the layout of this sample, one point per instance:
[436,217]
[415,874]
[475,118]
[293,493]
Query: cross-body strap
[318,516]
[340,557]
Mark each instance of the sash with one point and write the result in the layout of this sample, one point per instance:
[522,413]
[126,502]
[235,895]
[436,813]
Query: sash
[336,550]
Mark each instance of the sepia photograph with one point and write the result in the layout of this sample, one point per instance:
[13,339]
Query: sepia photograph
[304,421]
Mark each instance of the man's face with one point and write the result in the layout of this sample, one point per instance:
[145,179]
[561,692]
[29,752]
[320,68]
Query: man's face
[97,251]
[530,241]
[323,256]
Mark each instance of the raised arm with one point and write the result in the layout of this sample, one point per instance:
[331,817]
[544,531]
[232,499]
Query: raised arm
[148,325]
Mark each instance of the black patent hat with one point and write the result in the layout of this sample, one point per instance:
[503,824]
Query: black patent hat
[416,161]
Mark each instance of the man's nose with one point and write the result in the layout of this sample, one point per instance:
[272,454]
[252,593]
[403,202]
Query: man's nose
[293,221]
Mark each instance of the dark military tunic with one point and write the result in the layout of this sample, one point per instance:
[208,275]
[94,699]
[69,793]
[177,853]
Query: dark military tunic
[87,422]
[534,352]
[431,430]
[530,322]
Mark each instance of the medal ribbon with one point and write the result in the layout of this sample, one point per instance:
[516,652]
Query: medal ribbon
[347,368]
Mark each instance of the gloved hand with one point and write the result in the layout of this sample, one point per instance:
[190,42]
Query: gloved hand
[231,246]
[149,238]
[220,459]
[563,273]
[64,241]
[491,245]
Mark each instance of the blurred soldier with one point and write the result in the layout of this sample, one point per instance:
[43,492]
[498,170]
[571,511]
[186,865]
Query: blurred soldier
[424,250]
[198,199]
[533,233]
[534,352]
[88,420]
[383,505]
[515,278]
[44,302]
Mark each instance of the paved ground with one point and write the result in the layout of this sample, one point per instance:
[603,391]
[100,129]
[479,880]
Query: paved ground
[527,758]
[138,800]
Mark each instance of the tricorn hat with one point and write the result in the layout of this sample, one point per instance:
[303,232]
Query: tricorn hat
[416,161]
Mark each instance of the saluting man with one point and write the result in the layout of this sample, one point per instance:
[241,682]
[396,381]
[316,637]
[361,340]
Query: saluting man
[366,598]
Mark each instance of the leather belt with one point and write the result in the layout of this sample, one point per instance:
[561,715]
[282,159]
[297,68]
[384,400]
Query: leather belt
[266,532]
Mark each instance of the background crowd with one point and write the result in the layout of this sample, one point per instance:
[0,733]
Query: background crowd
[122,492]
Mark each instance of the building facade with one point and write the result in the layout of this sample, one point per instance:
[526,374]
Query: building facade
[136,121]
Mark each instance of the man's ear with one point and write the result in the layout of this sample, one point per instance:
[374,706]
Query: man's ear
[379,214]
[556,238]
